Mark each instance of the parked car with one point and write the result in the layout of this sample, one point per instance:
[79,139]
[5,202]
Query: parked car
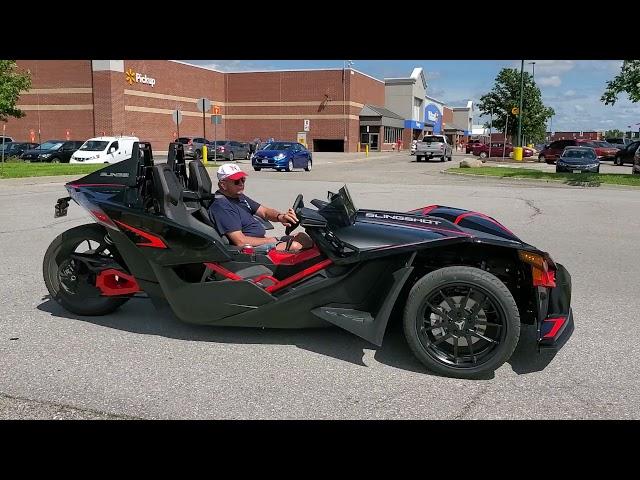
[497,149]
[230,149]
[193,146]
[5,139]
[626,154]
[603,150]
[635,169]
[619,142]
[471,145]
[104,150]
[282,156]
[54,151]
[578,160]
[433,146]
[15,149]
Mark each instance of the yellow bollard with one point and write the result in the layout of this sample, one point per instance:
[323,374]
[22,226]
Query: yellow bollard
[517,153]
[204,155]
[366,149]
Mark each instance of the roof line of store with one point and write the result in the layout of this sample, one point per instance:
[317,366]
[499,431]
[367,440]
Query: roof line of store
[279,70]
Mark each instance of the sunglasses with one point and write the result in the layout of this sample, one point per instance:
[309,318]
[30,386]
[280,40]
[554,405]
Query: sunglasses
[240,181]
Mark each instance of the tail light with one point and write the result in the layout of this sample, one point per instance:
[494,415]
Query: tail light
[542,268]
[221,149]
[190,142]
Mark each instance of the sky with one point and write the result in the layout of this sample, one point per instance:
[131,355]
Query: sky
[571,87]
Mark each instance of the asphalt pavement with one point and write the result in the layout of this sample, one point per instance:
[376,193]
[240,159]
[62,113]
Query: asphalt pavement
[141,363]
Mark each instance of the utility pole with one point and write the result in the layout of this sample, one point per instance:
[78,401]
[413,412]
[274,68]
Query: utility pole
[517,152]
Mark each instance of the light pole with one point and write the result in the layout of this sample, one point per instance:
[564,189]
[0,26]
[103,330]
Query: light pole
[345,63]
[517,153]
[533,64]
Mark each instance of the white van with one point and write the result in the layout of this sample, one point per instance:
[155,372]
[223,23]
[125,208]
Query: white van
[104,150]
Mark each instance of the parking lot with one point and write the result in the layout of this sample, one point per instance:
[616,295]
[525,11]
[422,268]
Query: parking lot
[141,363]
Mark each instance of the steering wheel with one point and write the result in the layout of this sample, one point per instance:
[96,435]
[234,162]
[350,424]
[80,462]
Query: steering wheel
[296,205]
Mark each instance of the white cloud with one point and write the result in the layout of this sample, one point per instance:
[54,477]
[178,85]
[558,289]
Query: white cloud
[569,93]
[431,75]
[552,67]
[579,108]
[552,81]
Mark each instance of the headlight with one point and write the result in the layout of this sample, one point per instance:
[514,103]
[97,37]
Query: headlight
[280,156]
[44,155]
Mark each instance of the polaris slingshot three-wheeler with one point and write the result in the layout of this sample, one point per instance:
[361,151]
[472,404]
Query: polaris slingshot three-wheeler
[462,282]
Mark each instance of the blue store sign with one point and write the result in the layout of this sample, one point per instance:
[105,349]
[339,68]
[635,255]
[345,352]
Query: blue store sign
[433,115]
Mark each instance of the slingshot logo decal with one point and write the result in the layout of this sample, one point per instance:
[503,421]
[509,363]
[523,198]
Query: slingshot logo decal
[402,218]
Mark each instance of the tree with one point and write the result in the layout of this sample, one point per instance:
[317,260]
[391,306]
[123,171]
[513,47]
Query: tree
[505,95]
[615,133]
[627,81]
[12,83]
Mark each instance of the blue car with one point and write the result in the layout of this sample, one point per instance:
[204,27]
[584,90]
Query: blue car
[282,156]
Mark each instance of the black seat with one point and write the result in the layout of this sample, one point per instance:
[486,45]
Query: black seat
[176,162]
[200,181]
[168,192]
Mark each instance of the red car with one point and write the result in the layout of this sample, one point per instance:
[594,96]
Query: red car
[552,152]
[497,149]
[471,145]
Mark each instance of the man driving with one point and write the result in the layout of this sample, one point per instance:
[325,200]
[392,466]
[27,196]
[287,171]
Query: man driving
[233,213]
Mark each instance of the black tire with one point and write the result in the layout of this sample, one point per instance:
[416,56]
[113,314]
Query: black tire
[450,157]
[618,161]
[54,160]
[247,156]
[257,169]
[290,166]
[231,156]
[418,158]
[309,165]
[443,158]
[499,321]
[598,169]
[57,254]
[541,158]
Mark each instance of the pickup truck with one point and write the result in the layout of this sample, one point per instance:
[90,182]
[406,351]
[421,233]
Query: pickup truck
[433,146]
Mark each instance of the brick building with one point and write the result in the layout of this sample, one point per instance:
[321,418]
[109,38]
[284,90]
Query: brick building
[78,99]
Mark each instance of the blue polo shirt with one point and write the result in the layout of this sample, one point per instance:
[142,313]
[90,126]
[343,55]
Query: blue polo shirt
[236,214]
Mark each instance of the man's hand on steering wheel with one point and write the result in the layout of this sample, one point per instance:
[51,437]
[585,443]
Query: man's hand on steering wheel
[288,218]
[292,212]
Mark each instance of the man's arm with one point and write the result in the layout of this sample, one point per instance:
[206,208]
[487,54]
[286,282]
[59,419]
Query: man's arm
[288,218]
[239,239]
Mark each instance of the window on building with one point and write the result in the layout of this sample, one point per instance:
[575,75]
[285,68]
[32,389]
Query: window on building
[392,134]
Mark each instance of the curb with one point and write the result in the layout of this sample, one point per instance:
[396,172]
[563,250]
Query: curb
[541,180]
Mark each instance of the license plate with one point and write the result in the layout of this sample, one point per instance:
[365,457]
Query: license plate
[577,171]
[264,161]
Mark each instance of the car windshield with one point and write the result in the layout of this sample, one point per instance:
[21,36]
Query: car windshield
[6,146]
[340,211]
[432,138]
[579,153]
[218,142]
[277,146]
[94,146]
[50,145]
[604,144]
